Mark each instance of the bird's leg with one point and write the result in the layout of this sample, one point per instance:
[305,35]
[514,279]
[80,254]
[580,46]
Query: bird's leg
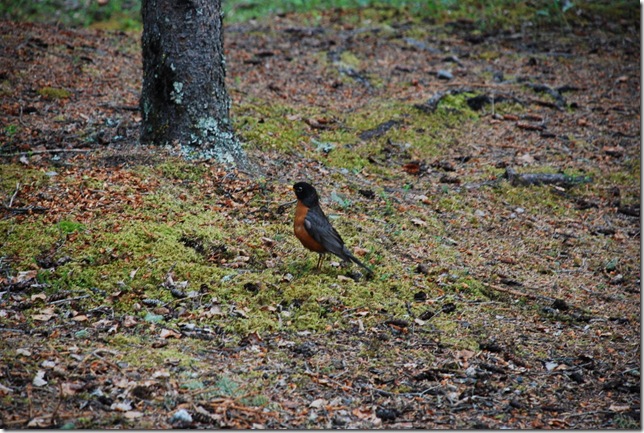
[319,266]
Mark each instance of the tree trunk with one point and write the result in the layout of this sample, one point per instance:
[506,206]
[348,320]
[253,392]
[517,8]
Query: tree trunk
[184,101]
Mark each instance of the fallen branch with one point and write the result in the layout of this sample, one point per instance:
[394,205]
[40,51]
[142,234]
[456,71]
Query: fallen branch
[120,107]
[18,210]
[38,152]
[28,209]
[476,102]
[560,101]
[282,207]
[13,330]
[431,104]
[534,179]
[556,304]
[516,293]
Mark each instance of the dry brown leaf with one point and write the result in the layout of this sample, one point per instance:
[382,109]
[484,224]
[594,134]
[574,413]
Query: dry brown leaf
[44,315]
[418,222]
[169,333]
[129,321]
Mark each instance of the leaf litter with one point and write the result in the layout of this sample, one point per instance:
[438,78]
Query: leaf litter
[166,294]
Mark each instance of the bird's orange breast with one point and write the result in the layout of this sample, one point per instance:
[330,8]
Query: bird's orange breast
[300,229]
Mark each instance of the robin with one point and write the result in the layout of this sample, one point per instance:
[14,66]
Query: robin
[314,230]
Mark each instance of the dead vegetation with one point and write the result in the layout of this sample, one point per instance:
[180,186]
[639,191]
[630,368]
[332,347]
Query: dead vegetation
[491,179]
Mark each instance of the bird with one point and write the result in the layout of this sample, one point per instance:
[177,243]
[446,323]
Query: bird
[314,230]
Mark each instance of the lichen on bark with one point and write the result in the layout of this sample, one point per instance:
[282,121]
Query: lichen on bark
[184,99]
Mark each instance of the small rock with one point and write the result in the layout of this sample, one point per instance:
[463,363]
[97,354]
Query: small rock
[450,307]
[422,269]
[618,279]
[181,417]
[444,74]
[560,305]
[426,315]
[420,296]
[387,414]
[577,377]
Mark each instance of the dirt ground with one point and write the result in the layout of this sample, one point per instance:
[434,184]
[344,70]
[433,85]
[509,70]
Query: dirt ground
[495,176]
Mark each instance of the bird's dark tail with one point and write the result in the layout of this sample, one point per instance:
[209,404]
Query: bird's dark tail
[356,261]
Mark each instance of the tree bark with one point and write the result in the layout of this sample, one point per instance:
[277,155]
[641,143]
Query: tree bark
[184,101]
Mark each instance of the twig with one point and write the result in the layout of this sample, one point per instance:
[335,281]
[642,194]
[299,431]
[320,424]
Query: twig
[592,412]
[96,354]
[282,207]
[62,301]
[28,209]
[515,293]
[61,396]
[13,330]
[15,193]
[20,118]
[37,152]
[120,107]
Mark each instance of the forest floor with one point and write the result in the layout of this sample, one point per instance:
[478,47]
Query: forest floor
[490,178]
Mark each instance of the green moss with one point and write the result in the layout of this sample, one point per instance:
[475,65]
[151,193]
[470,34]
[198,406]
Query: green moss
[54,93]
[271,126]
[67,227]
[181,170]
[347,58]
[13,174]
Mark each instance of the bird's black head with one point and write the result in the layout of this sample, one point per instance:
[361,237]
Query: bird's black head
[306,193]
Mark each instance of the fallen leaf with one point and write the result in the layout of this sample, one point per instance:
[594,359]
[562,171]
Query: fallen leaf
[42,317]
[124,406]
[160,373]
[412,168]
[170,333]
[80,318]
[268,241]
[551,365]
[615,151]
[40,422]
[318,403]
[363,413]
[71,388]
[619,408]
[418,222]
[526,159]
[39,379]
[129,321]
[48,364]
[359,251]
[465,354]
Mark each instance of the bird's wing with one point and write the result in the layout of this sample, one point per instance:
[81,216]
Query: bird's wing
[320,229]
